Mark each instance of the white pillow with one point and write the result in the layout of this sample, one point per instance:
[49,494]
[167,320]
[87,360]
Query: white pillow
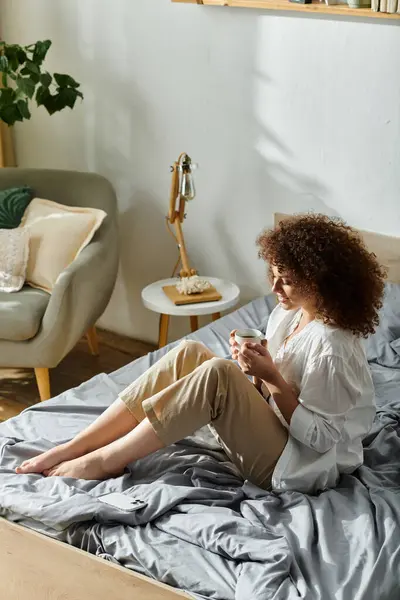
[58,233]
[14,251]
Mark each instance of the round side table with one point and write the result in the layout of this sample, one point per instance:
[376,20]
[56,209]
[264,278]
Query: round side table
[155,299]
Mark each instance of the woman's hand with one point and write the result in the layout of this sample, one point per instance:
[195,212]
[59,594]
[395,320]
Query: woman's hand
[255,360]
[233,345]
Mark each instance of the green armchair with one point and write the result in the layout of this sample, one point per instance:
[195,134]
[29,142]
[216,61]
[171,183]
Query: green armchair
[38,329]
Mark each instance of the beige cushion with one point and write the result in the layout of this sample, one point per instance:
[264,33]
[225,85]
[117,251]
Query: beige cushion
[21,313]
[57,234]
[14,249]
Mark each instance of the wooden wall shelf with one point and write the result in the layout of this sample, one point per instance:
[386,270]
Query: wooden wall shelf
[316,8]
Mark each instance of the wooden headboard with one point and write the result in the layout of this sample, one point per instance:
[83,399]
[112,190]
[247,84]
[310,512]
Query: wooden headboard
[386,248]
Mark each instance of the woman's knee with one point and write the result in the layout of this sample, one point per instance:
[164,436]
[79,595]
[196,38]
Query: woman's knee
[226,367]
[194,347]
[221,364]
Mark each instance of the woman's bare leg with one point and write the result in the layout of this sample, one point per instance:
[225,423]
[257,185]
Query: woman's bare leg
[112,459]
[118,420]
[112,424]
[218,393]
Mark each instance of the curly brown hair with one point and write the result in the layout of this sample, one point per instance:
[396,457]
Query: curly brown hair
[328,261]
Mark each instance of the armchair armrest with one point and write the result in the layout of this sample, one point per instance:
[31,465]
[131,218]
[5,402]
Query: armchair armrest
[80,296]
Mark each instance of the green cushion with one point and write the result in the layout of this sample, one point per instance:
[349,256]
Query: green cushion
[13,203]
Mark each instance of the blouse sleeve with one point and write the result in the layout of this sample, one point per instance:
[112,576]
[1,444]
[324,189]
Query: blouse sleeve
[329,389]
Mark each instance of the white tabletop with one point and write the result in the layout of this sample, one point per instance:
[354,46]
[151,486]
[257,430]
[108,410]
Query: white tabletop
[155,299]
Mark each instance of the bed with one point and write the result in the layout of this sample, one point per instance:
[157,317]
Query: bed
[204,533]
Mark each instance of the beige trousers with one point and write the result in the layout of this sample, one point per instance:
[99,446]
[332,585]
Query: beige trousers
[190,387]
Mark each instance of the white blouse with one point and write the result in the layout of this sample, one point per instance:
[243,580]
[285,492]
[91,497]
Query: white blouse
[328,368]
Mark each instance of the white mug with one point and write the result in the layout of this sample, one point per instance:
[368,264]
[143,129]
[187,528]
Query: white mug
[248,335]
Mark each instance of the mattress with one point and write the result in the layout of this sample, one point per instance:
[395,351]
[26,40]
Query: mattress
[205,530]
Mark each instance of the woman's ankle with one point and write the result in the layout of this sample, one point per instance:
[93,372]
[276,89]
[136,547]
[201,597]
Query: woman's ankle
[73,449]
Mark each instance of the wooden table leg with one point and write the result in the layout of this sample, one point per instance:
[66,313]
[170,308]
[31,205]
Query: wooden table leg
[215,316]
[194,323]
[163,331]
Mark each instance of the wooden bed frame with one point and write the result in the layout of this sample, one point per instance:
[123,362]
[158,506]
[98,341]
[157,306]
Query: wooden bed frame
[36,567]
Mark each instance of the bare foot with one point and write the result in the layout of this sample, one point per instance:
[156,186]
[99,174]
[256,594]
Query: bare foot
[91,466]
[45,461]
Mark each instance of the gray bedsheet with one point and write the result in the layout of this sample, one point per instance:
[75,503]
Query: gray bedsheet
[204,529]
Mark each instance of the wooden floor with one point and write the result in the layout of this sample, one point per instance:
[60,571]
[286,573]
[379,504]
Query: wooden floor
[18,388]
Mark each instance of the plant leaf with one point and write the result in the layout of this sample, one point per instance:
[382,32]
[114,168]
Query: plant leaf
[45,79]
[65,80]
[31,75]
[10,113]
[3,63]
[26,86]
[32,67]
[40,51]
[41,95]
[10,51]
[50,104]
[7,96]
[67,97]
[24,109]
[21,55]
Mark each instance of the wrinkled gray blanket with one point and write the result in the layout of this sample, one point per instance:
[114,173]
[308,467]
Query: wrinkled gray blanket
[204,529]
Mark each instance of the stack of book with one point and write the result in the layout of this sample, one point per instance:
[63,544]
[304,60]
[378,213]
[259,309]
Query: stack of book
[386,6]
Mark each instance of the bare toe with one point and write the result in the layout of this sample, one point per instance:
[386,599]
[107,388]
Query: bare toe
[46,461]
[28,466]
[23,465]
[54,471]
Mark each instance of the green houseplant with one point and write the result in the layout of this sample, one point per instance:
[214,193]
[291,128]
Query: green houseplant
[24,80]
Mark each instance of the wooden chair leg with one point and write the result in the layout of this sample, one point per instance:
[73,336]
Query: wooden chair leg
[163,331]
[194,323]
[43,382]
[91,336]
[216,316]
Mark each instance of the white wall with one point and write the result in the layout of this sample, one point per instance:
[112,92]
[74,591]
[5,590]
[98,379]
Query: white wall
[282,112]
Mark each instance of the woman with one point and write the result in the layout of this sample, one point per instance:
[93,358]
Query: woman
[314,375]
